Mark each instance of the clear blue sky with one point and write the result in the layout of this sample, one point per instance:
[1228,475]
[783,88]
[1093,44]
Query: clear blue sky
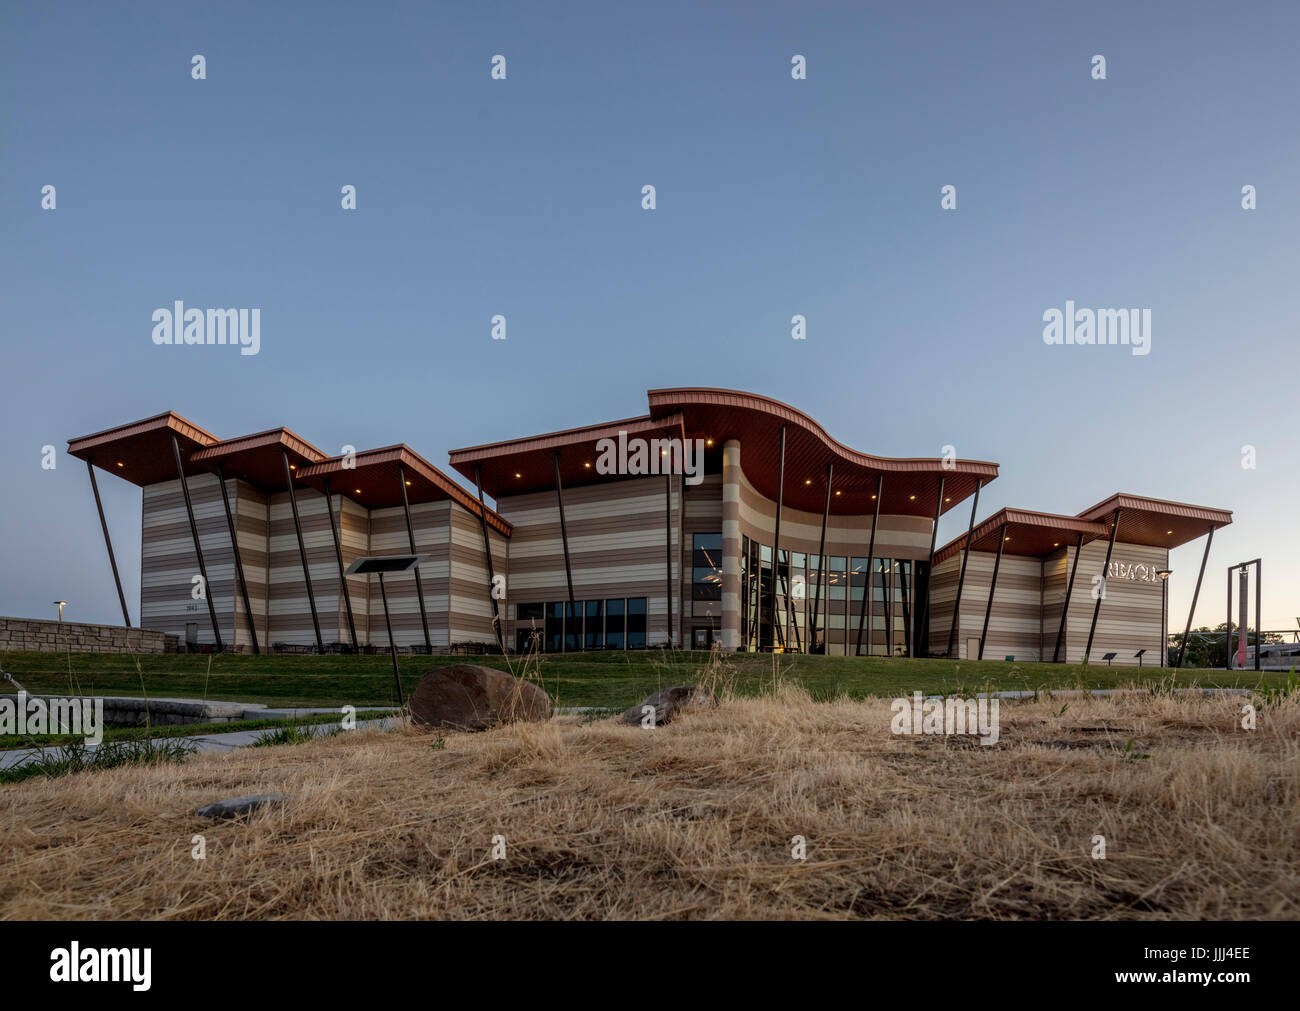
[775,197]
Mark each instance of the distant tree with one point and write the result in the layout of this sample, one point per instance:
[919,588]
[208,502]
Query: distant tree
[1207,648]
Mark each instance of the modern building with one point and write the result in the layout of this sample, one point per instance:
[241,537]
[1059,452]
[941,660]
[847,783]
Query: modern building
[653,530]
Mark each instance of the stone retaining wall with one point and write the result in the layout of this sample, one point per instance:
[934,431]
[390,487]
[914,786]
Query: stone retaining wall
[58,636]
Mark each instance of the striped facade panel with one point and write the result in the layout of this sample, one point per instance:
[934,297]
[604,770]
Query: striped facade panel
[1056,578]
[471,612]
[289,613]
[252,527]
[169,567]
[430,522]
[616,536]
[1130,612]
[1016,618]
[896,536]
[353,523]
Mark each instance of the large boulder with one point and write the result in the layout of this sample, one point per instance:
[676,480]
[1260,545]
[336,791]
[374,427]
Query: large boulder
[668,702]
[466,696]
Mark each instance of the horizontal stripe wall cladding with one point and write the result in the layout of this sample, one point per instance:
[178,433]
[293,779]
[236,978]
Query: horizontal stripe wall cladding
[702,514]
[896,536]
[616,536]
[169,567]
[1030,592]
[448,535]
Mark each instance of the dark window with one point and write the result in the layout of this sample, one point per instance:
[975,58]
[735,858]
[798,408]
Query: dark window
[572,625]
[593,636]
[555,627]
[636,623]
[531,612]
[706,582]
[614,624]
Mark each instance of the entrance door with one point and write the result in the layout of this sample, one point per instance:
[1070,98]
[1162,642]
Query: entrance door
[703,637]
[972,648]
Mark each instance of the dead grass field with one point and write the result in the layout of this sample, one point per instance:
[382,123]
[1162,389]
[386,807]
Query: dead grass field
[694,820]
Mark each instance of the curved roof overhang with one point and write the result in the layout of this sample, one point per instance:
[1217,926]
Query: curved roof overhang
[910,486]
[1027,533]
[521,466]
[372,479]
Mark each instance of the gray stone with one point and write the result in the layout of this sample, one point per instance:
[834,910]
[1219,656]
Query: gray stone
[669,702]
[236,806]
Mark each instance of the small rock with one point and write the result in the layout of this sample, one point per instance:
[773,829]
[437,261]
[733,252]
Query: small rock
[236,806]
[668,702]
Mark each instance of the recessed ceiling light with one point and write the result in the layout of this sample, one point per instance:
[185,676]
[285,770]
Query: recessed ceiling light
[1006,538]
[708,442]
[408,484]
[948,500]
[871,496]
[293,466]
[1168,531]
[120,463]
[587,465]
[519,475]
[358,491]
[913,497]
[807,480]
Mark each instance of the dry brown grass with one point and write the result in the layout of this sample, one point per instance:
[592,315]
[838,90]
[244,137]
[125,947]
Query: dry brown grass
[694,820]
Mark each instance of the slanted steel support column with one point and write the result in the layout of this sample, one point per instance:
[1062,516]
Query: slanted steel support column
[902,564]
[419,583]
[487,553]
[564,540]
[1105,574]
[198,549]
[922,630]
[668,551]
[108,543]
[776,545]
[239,562]
[961,579]
[338,555]
[993,585]
[1065,609]
[1187,633]
[821,561]
[302,550]
[864,612]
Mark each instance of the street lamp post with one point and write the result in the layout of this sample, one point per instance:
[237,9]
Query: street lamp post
[60,604]
[1164,575]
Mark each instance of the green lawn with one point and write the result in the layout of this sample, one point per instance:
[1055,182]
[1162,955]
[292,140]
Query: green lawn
[591,679]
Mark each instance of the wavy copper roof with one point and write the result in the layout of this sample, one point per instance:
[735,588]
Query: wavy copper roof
[911,484]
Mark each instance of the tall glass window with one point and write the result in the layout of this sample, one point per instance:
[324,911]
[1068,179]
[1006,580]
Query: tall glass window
[615,632]
[636,623]
[593,636]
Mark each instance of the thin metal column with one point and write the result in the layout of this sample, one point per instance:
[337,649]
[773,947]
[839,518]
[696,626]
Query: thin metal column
[904,592]
[821,561]
[993,585]
[776,538]
[392,646]
[564,539]
[239,562]
[1105,574]
[487,553]
[419,583]
[108,543]
[1259,629]
[923,615]
[198,550]
[864,612]
[302,550]
[961,579]
[1065,608]
[668,551]
[1182,653]
[338,555]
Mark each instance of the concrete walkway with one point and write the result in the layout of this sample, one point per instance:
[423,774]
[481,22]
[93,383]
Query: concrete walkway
[218,742]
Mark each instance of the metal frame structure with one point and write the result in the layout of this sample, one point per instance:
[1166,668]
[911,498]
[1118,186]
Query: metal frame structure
[302,550]
[1244,632]
[108,542]
[993,585]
